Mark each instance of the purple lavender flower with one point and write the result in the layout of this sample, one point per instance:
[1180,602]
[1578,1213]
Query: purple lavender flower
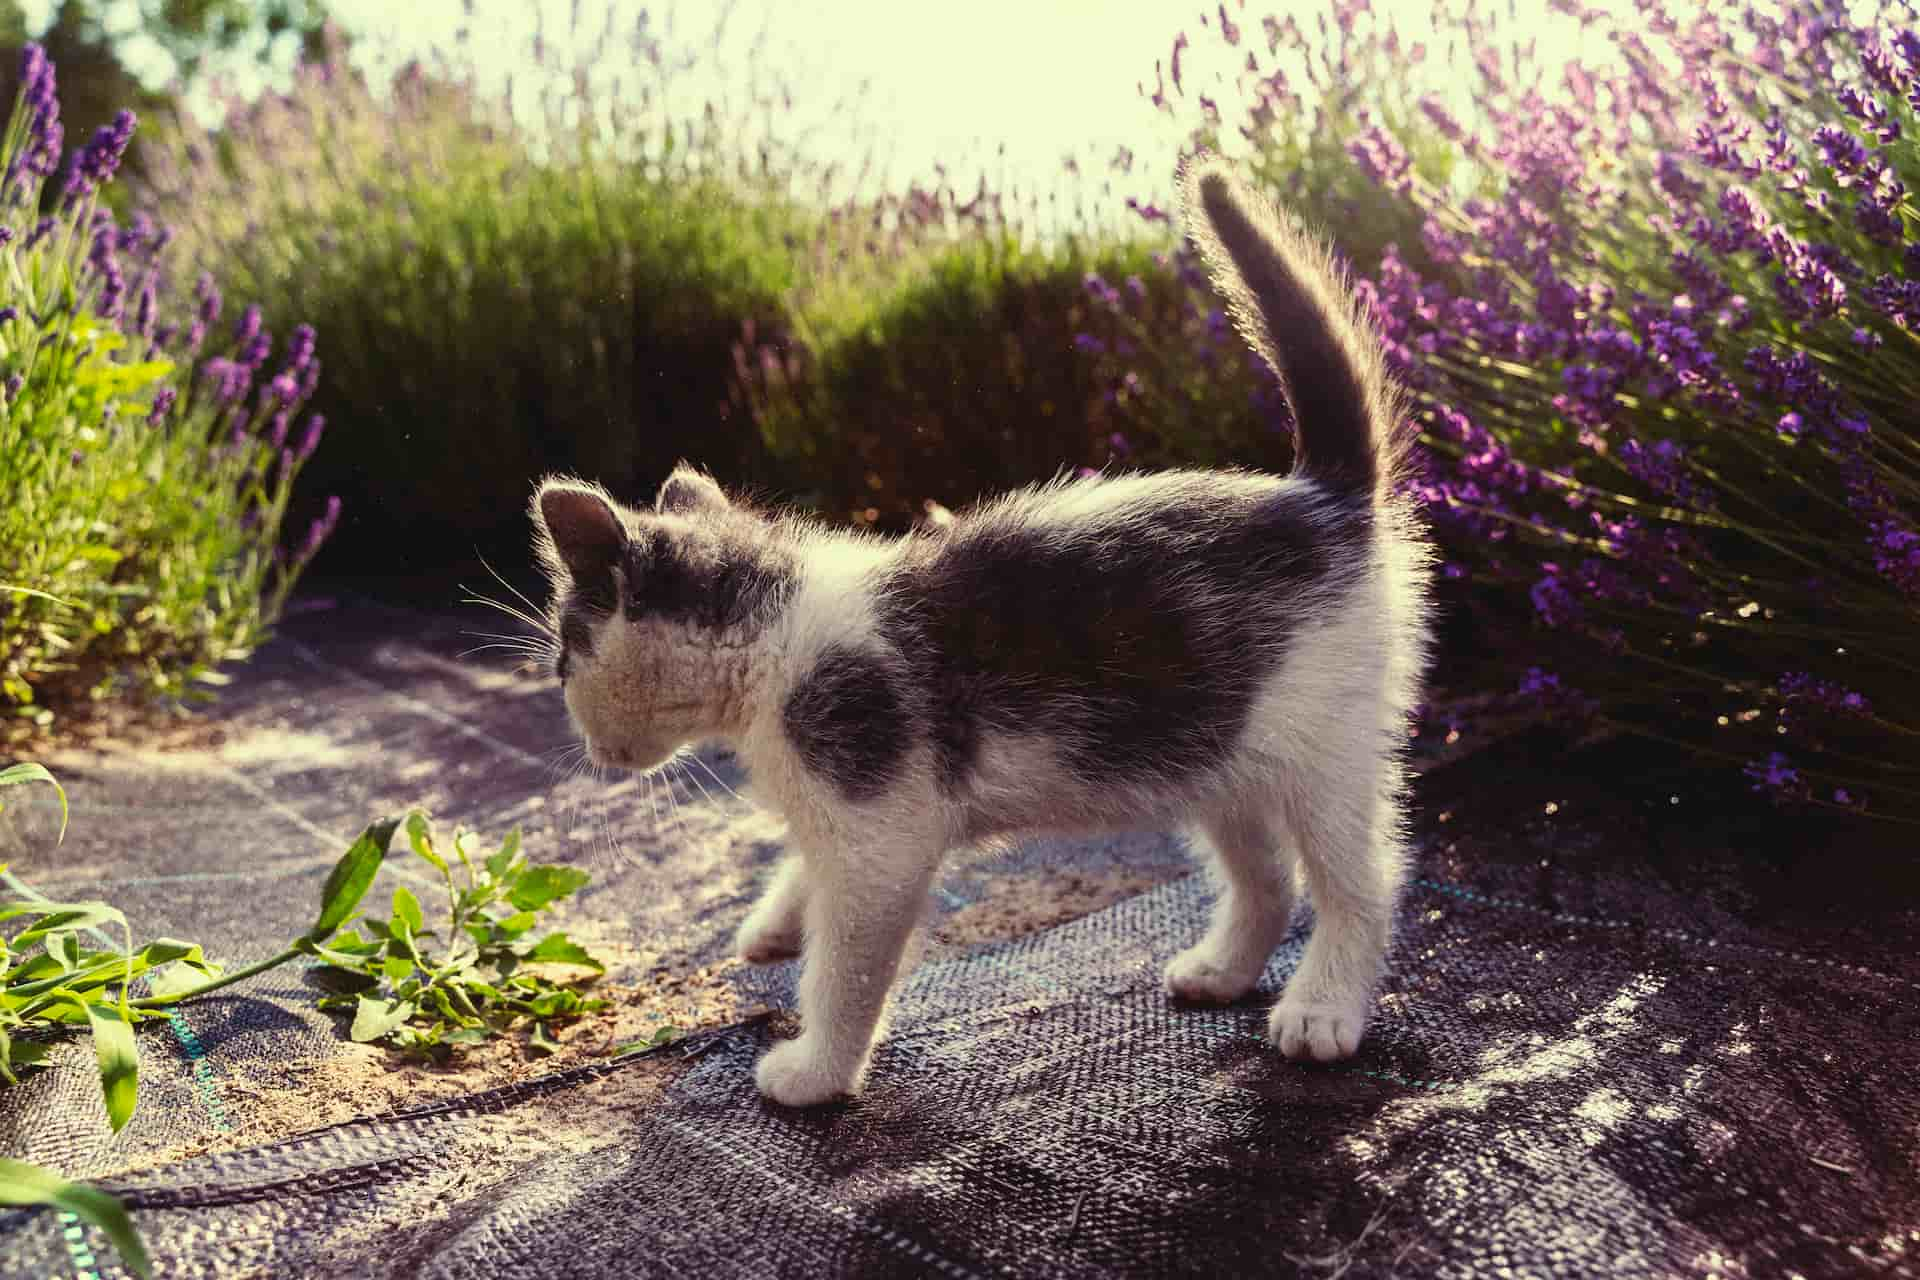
[1103,292]
[1382,158]
[1844,153]
[163,401]
[321,529]
[1087,344]
[1774,774]
[1867,109]
[1798,688]
[106,268]
[144,312]
[207,294]
[1552,602]
[95,163]
[310,438]
[39,157]
[230,380]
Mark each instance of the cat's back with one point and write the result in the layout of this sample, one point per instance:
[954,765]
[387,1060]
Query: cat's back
[1176,539]
[1131,619]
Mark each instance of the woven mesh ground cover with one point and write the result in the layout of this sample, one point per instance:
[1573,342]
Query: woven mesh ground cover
[1637,1038]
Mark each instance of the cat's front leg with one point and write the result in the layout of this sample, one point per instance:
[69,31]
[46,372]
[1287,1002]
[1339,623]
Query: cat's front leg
[861,909]
[772,930]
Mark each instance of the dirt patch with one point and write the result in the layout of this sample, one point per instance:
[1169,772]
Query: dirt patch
[101,728]
[270,1101]
[1019,905]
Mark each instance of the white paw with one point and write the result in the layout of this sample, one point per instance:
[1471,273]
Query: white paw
[767,939]
[1323,1032]
[1201,973]
[794,1075]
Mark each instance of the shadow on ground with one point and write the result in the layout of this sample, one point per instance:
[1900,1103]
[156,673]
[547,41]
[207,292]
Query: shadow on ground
[1634,1026]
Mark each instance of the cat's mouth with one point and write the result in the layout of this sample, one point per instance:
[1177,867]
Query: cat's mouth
[639,758]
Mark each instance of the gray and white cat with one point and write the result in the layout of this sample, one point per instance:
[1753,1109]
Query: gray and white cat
[1226,651]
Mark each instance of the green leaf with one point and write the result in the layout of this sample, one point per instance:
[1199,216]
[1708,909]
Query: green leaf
[558,948]
[406,908]
[515,925]
[375,1018]
[27,1053]
[351,876]
[539,1042]
[23,1184]
[119,1062]
[181,977]
[397,968]
[420,836]
[15,775]
[539,886]
[67,915]
[502,858]
[165,950]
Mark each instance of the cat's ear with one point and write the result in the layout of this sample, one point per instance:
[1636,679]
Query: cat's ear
[582,533]
[687,490]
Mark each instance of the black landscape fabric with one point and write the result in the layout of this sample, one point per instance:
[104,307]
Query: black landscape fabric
[1630,1038]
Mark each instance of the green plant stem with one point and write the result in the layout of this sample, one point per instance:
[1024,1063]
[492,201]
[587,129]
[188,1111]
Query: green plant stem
[225,980]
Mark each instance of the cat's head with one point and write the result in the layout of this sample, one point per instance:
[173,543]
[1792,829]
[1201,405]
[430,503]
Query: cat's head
[652,610]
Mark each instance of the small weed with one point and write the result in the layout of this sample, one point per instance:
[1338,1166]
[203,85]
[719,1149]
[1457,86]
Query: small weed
[430,991]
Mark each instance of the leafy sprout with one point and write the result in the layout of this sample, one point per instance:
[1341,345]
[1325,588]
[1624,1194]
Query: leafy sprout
[428,990]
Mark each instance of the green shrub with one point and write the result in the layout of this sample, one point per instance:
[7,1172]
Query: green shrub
[142,486]
[498,299]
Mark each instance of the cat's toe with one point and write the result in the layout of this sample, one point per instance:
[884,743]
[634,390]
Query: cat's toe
[793,1075]
[1325,1033]
[1199,974]
[766,941]
[766,948]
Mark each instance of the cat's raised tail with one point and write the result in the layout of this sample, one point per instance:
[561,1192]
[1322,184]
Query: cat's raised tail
[1292,303]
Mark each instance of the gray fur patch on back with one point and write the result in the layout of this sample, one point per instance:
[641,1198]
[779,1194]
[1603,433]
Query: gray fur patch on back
[1136,638]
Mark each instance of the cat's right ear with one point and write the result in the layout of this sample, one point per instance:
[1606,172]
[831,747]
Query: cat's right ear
[579,532]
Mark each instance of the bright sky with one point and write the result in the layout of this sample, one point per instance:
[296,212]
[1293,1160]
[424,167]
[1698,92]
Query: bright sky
[951,82]
[944,82]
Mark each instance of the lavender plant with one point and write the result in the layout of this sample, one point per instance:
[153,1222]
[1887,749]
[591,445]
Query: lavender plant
[146,458]
[1660,325]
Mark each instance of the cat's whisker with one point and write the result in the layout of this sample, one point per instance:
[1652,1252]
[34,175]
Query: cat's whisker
[538,623]
[717,779]
[532,654]
[681,762]
[509,586]
[653,799]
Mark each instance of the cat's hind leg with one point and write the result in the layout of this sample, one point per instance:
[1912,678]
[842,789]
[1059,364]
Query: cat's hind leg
[1346,825]
[1244,846]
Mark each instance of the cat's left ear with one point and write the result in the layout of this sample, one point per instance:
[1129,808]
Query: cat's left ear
[579,530]
[686,490]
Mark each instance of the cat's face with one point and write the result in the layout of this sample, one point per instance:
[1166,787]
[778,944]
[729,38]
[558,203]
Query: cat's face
[645,606]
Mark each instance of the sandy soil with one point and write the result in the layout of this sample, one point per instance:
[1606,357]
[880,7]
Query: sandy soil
[268,1101]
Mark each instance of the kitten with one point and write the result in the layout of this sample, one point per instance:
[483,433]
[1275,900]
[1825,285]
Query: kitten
[1230,651]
